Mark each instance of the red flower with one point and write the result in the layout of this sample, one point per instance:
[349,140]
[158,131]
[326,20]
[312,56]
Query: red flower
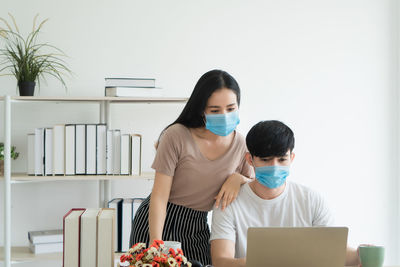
[139,256]
[123,258]
[157,243]
[179,260]
[172,252]
[179,251]
[155,264]
[157,259]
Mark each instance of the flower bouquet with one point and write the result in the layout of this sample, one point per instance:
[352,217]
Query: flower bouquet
[154,256]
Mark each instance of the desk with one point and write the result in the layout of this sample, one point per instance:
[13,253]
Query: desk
[118,255]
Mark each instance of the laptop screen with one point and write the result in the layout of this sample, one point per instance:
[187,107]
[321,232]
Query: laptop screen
[296,246]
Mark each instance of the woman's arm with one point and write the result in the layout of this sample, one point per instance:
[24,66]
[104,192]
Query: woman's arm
[230,189]
[158,205]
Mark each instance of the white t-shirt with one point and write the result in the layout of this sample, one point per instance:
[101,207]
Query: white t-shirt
[297,206]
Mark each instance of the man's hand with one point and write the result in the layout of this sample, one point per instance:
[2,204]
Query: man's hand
[352,258]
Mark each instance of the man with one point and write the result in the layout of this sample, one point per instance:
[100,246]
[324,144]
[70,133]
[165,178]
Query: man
[269,200]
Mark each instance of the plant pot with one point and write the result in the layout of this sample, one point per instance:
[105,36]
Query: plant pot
[26,88]
[1,167]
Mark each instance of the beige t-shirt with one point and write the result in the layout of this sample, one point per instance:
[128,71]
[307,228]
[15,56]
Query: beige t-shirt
[196,179]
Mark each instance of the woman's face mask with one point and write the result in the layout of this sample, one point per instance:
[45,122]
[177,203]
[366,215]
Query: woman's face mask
[222,124]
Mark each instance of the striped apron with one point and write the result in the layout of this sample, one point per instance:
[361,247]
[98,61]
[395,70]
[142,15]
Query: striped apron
[182,224]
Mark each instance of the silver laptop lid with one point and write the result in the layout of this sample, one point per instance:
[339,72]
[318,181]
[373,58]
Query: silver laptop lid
[296,246]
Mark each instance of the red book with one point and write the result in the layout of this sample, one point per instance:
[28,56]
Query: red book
[71,234]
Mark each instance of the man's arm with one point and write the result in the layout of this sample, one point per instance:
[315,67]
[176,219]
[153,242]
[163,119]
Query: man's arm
[323,217]
[223,254]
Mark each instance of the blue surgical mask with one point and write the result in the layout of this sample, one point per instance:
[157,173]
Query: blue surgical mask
[222,124]
[272,176]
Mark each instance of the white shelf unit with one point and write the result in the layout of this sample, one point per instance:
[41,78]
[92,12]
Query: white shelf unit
[20,253]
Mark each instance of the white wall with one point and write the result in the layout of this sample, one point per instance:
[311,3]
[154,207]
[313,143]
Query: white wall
[326,68]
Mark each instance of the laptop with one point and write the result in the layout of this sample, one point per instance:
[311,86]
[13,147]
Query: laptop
[296,246]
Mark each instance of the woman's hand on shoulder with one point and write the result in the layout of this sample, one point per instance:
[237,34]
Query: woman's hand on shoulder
[229,190]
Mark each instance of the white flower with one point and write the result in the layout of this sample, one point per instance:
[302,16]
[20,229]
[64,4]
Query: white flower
[139,264]
[136,248]
[172,262]
[184,259]
[148,256]
[154,252]
[147,265]
[123,264]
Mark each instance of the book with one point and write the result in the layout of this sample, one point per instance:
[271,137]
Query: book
[71,236]
[127,211]
[31,154]
[39,151]
[105,238]
[133,92]
[88,251]
[136,154]
[116,146]
[116,204]
[125,154]
[70,149]
[109,152]
[59,149]
[45,236]
[101,147]
[130,82]
[46,247]
[80,149]
[91,149]
[48,151]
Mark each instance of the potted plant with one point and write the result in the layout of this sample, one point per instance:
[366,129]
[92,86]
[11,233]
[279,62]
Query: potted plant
[26,59]
[14,155]
[156,255]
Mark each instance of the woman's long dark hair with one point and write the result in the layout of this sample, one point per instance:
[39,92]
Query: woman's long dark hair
[192,115]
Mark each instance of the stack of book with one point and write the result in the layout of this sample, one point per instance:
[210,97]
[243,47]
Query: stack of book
[89,238]
[47,241]
[83,149]
[125,212]
[132,87]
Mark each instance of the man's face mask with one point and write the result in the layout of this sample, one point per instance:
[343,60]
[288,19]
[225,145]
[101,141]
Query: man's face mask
[271,176]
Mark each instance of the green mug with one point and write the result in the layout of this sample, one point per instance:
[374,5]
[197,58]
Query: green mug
[372,256]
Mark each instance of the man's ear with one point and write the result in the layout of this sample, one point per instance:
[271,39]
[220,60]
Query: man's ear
[248,158]
[292,156]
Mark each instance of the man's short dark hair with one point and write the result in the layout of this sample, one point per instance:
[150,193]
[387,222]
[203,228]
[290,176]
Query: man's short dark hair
[270,139]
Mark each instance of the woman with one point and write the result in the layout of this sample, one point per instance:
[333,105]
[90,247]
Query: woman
[199,160]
